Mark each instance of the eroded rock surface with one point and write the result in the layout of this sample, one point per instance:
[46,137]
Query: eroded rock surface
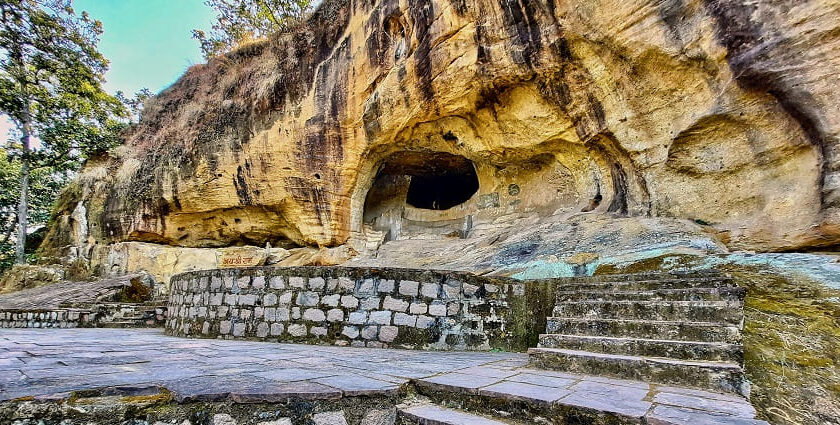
[363,125]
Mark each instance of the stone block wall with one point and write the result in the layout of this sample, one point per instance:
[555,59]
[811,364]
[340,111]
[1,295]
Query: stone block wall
[58,318]
[357,306]
[121,315]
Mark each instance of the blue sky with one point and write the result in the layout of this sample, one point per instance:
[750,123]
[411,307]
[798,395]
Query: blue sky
[149,42]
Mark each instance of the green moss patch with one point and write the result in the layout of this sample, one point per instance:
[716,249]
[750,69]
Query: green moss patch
[792,346]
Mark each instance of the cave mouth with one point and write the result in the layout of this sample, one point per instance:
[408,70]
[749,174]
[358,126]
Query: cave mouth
[436,180]
[441,192]
[425,181]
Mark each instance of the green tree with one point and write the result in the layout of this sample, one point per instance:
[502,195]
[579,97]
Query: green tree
[9,196]
[51,76]
[44,186]
[136,104]
[240,21]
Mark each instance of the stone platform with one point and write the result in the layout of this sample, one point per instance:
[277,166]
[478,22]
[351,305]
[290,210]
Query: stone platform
[124,375]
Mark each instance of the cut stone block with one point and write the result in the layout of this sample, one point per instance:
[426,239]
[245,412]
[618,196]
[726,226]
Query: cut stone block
[409,288]
[385,286]
[297,282]
[317,283]
[430,290]
[687,350]
[329,418]
[524,391]
[430,414]
[388,333]
[719,376]
[382,317]
[314,315]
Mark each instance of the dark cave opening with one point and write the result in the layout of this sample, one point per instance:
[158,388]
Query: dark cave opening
[431,180]
[434,181]
[441,192]
[423,180]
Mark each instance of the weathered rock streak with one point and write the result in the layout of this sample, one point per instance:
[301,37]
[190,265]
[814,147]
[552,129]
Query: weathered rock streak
[709,110]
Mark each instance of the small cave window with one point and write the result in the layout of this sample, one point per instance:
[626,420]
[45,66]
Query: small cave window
[441,192]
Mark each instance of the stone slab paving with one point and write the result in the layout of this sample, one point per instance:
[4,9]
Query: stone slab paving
[51,363]
[433,415]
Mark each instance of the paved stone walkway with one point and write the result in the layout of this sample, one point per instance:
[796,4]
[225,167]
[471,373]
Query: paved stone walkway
[49,363]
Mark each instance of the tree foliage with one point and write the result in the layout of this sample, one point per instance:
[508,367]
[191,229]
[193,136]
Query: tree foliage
[51,76]
[241,21]
[45,184]
[136,104]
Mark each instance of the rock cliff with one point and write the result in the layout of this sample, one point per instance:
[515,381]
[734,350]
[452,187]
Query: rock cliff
[395,120]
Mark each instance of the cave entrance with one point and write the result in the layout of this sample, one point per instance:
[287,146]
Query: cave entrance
[434,182]
[441,192]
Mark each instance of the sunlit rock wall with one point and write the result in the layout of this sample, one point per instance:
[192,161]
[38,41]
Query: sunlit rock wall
[717,111]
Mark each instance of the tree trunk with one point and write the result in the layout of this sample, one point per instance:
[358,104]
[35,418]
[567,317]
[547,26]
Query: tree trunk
[11,230]
[18,70]
[23,216]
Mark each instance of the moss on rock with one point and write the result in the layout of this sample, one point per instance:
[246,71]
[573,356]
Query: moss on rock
[791,338]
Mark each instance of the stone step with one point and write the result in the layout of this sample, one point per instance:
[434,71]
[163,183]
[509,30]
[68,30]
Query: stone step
[374,239]
[685,350]
[648,284]
[678,294]
[122,324]
[715,376]
[529,396]
[695,311]
[373,235]
[133,315]
[699,274]
[431,414]
[673,330]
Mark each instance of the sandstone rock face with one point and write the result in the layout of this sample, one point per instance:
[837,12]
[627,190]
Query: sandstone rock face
[408,119]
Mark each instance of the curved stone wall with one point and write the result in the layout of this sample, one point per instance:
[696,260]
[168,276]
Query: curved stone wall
[359,307]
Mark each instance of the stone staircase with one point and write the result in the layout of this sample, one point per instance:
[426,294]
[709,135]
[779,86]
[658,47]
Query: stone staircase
[678,329]
[373,239]
[130,315]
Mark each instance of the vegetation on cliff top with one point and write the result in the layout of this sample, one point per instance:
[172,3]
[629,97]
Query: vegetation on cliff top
[51,80]
[240,22]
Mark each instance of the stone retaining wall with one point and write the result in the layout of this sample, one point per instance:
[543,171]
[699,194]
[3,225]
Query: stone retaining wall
[360,307]
[85,316]
[58,318]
